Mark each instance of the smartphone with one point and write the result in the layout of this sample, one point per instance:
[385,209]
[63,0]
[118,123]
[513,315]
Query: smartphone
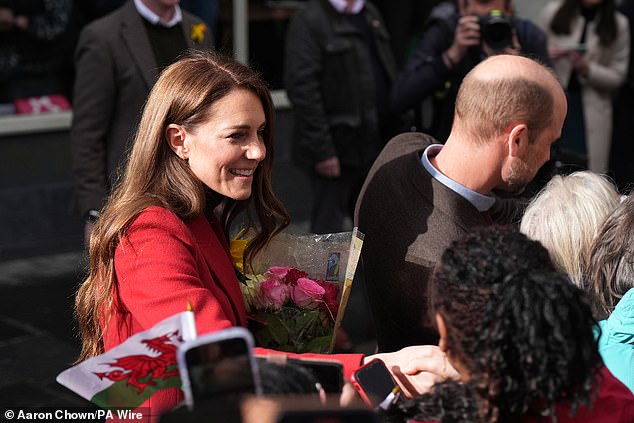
[219,365]
[329,373]
[375,385]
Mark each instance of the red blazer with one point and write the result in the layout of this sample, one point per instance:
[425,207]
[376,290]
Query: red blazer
[162,263]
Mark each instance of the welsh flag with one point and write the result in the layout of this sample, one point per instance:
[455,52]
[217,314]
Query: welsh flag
[130,373]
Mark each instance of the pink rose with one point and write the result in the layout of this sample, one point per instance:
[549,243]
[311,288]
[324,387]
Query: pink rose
[278,272]
[307,293]
[273,294]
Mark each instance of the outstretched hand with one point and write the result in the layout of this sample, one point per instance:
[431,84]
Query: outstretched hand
[417,368]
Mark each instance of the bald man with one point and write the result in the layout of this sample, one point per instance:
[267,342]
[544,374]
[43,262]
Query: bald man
[419,195]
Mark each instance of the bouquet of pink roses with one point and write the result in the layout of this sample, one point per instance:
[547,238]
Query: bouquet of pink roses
[289,311]
[296,294]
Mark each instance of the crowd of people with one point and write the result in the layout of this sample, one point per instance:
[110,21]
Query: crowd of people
[501,287]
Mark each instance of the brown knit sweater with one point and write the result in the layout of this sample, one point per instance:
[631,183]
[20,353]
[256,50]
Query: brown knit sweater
[408,219]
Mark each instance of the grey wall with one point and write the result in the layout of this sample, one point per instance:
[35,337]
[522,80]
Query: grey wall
[529,8]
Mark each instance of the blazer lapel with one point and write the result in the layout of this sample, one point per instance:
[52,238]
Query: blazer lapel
[187,31]
[219,263]
[136,40]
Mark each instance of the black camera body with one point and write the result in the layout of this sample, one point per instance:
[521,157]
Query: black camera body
[496,30]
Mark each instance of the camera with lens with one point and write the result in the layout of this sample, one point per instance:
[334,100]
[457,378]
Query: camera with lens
[496,30]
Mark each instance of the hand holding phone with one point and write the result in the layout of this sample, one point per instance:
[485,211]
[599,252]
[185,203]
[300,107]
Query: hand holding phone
[375,385]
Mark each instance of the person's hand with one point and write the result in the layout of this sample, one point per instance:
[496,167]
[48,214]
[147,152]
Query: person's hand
[329,168]
[349,396]
[467,35]
[6,19]
[579,62]
[416,369]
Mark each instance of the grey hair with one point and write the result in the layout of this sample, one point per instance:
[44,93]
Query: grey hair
[565,216]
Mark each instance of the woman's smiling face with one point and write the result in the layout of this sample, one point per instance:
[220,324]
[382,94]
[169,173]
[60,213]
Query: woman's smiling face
[225,151]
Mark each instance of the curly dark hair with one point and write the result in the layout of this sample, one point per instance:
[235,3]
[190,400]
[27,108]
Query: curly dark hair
[448,402]
[520,329]
[286,379]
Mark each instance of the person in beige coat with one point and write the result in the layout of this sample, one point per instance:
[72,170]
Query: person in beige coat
[589,45]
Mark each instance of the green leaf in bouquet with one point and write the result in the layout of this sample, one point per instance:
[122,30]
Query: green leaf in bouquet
[287,348]
[292,329]
[263,337]
[319,344]
[305,322]
[276,326]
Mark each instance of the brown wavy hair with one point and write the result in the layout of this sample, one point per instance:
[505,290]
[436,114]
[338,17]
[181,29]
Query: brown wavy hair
[155,176]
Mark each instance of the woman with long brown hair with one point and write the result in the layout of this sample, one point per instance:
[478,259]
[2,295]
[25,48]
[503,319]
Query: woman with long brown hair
[202,155]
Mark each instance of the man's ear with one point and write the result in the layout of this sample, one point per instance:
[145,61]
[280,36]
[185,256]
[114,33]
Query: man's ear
[517,140]
[176,137]
[442,331]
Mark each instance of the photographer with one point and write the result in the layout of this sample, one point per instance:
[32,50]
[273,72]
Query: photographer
[455,39]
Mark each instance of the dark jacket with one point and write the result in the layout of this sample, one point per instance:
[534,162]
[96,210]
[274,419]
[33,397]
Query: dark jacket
[330,83]
[116,69]
[426,73]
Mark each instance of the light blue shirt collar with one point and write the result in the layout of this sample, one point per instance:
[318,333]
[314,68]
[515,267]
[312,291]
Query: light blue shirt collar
[154,18]
[479,201]
[341,5]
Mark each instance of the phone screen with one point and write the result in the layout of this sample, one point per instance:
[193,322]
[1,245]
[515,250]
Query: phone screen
[329,374]
[220,368]
[376,381]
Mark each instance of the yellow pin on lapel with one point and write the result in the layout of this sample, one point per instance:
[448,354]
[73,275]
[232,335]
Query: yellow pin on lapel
[198,32]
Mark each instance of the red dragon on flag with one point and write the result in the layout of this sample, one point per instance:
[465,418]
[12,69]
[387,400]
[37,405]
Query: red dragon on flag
[130,373]
[140,370]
